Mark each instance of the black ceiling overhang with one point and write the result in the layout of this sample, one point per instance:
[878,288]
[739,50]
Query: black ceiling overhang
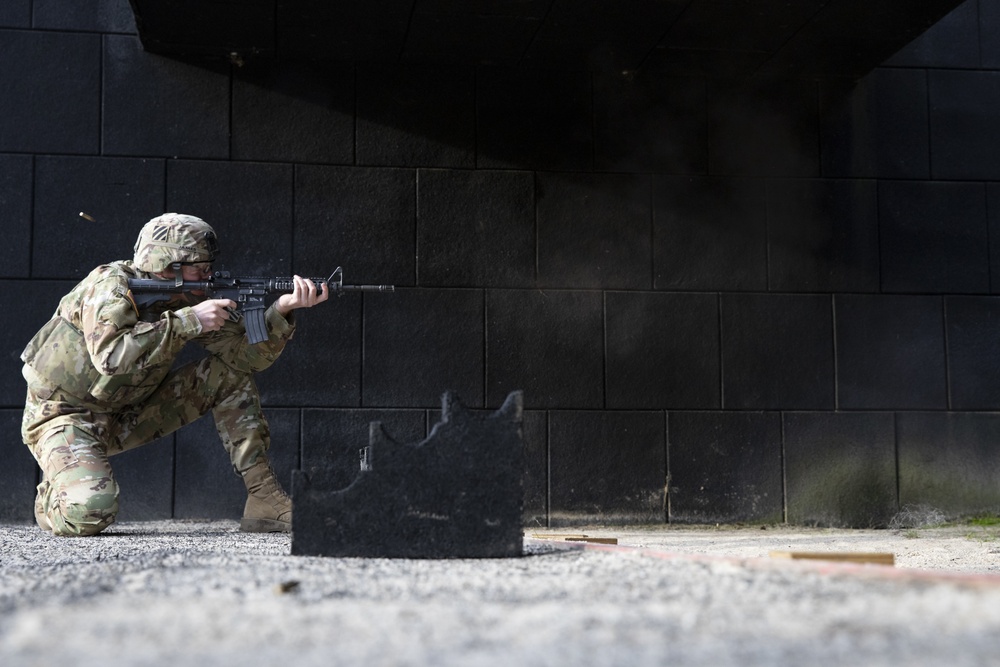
[730,38]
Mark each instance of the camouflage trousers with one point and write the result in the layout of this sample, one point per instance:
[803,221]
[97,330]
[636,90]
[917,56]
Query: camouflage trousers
[71,442]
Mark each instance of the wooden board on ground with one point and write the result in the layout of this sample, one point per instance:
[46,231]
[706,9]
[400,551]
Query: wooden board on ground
[570,537]
[875,558]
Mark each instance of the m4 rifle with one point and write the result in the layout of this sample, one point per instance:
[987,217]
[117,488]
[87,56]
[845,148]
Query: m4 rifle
[247,292]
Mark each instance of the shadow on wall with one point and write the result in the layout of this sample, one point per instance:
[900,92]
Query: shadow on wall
[618,149]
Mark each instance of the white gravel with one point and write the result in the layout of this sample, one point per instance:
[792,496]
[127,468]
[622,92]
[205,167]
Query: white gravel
[185,593]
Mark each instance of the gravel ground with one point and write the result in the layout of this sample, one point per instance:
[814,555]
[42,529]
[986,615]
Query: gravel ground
[169,593]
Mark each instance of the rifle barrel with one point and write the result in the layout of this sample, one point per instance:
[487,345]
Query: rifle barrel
[367,288]
[288,284]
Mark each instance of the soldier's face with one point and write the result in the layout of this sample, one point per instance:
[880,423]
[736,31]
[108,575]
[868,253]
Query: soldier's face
[191,273]
[197,271]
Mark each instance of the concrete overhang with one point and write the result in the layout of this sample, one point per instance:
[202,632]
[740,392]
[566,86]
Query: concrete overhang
[716,38]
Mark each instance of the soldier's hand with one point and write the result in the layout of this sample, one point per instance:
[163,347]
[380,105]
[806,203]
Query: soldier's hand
[305,295]
[213,313]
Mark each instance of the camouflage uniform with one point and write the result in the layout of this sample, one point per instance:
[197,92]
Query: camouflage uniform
[100,382]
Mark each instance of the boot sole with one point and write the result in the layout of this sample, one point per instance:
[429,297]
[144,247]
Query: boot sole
[265,526]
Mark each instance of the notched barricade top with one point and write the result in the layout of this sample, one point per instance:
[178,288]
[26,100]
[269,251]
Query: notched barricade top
[457,494]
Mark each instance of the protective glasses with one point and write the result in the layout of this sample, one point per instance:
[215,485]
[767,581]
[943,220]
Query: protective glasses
[203,268]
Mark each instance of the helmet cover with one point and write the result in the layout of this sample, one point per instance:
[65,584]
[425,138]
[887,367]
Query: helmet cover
[172,238]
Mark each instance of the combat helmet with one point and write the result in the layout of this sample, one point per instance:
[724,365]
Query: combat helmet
[174,237]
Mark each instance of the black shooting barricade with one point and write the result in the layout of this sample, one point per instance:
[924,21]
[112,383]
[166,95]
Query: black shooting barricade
[456,494]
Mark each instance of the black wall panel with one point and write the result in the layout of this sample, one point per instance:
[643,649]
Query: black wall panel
[876,127]
[547,344]
[973,360]
[840,468]
[777,352]
[120,194]
[422,343]
[709,234]
[296,113]
[321,366]
[534,119]
[662,350]
[534,430]
[780,273]
[155,106]
[823,236]
[17,493]
[762,25]
[607,466]
[51,85]
[965,124]
[15,14]
[947,461]
[363,220]
[952,42]
[725,466]
[475,228]
[993,210]
[989,34]
[647,122]
[573,25]
[416,116]
[593,231]
[764,132]
[453,35]
[343,30]
[206,485]
[890,352]
[91,15]
[145,477]
[933,237]
[15,208]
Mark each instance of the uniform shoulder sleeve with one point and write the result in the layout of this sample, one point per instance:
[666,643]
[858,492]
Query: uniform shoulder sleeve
[117,340]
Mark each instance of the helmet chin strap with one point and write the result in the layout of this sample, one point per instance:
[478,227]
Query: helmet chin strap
[178,274]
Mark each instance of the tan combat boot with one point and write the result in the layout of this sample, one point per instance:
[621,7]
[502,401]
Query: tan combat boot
[268,508]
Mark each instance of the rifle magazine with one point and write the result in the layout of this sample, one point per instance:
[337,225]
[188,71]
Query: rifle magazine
[253,319]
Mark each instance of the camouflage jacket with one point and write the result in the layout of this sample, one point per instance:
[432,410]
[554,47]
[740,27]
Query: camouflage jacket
[101,349]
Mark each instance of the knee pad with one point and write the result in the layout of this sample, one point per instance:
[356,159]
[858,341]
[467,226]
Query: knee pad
[83,506]
[79,495]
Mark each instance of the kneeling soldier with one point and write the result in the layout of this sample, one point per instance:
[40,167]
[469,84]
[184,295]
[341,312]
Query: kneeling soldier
[101,380]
